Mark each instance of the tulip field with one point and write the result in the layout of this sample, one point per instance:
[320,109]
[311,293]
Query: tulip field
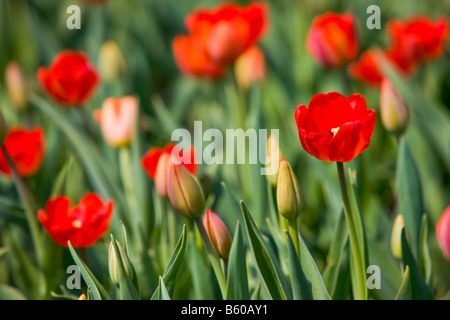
[219,150]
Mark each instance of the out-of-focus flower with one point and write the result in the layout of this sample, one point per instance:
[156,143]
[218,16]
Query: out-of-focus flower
[419,37]
[332,40]
[335,128]
[274,154]
[16,85]
[117,120]
[289,196]
[218,234]
[82,225]
[443,232]
[396,239]
[113,264]
[112,62]
[185,192]
[151,159]
[26,148]
[70,80]
[394,113]
[162,174]
[217,37]
[82,297]
[366,69]
[250,67]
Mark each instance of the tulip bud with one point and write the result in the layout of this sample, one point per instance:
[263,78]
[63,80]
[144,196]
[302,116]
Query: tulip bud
[443,233]
[162,174]
[396,236]
[394,113]
[218,234]
[184,191]
[250,67]
[273,160]
[82,297]
[114,264]
[289,197]
[16,85]
[112,62]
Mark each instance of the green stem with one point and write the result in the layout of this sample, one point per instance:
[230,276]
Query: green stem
[354,244]
[212,256]
[293,232]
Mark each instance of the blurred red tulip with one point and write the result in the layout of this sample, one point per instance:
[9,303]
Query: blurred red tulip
[443,233]
[250,67]
[367,68]
[26,149]
[117,119]
[419,38]
[70,80]
[150,160]
[218,234]
[82,225]
[332,39]
[335,128]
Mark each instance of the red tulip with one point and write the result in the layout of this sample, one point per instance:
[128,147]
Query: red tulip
[250,67]
[82,224]
[26,149]
[335,128]
[419,38]
[443,233]
[218,234]
[71,79]
[150,160]
[332,40]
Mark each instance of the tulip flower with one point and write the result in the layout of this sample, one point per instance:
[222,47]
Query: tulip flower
[420,38]
[112,62]
[82,224]
[151,159]
[367,68]
[394,113]
[16,85]
[332,39]
[396,239]
[113,264]
[117,120]
[185,192]
[443,233]
[70,80]
[335,128]
[26,148]
[250,67]
[289,196]
[162,174]
[218,234]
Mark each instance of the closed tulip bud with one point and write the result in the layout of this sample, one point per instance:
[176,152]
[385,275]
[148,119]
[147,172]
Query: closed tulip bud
[113,264]
[218,234]
[250,67]
[394,112]
[117,120]
[162,174]
[396,236]
[289,197]
[112,62]
[443,233]
[16,85]
[184,191]
[273,160]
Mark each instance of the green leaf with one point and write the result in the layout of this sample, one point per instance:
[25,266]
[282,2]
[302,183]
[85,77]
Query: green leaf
[10,293]
[163,294]
[97,290]
[268,269]
[199,269]
[237,282]
[126,287]
[404,293]
[419,289]
[256,294]
[301,286]
[409,194]
[426,262]
[174,265]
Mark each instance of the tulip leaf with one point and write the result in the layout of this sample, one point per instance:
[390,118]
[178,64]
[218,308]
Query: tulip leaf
[419,289]
[173,266]
[126,287]
[256,294]
[301,286]
[163,294]
[425,265]
[268,269]
[237,282]
[199,269]
[97,290]
[404,293]
[10,293]
[409,194]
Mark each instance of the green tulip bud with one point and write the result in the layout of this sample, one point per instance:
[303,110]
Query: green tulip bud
[113,264]
[394,112]
[396,236]
[289,197]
